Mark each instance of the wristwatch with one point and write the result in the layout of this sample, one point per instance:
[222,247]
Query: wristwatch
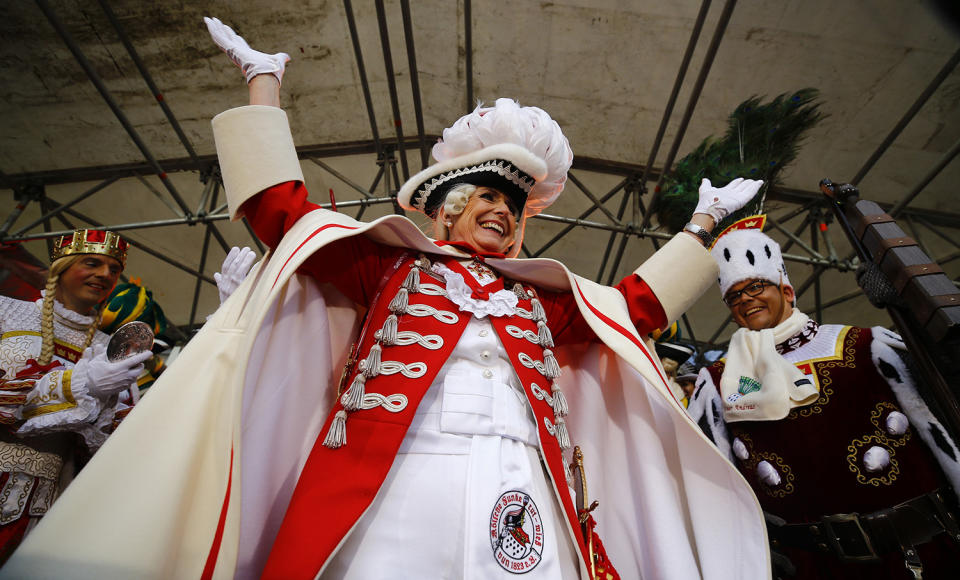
[701,233]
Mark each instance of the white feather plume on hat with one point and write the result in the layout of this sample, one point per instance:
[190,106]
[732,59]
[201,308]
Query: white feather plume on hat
[522,145]
[508,122]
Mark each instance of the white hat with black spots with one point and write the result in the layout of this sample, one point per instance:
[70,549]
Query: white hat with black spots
[748,255]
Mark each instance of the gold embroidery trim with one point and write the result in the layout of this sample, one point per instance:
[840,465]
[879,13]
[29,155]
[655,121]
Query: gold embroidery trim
[47,409]
[63,349]
[786,486]
[879,411]
[845,350]
[15,457]
[885,477]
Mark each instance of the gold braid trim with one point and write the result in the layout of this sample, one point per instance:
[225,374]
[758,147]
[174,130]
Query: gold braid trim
[15,457]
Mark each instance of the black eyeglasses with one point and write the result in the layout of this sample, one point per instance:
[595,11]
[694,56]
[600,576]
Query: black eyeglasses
[755,288]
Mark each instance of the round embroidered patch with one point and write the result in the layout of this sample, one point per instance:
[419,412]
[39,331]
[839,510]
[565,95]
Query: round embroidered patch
[516,532]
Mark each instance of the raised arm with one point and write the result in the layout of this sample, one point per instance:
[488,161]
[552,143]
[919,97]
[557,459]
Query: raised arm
[264,72]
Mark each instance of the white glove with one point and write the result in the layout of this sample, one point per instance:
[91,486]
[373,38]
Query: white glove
[719,202]
[105,378]
[235,268]
[251,62]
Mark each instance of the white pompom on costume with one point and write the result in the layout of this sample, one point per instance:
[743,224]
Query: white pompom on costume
[518,150]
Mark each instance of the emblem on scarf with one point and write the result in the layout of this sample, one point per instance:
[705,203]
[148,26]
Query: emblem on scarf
[516,532]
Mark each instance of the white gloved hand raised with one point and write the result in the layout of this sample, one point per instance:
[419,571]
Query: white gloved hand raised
[719,202]
[235,268]
[251,62]
[105,378]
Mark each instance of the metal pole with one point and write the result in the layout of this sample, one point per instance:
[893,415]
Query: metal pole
[908,116]
[362,71]
[143,247]
[952,239]
[692,103]
[468,52]
[716,335]
[391,83]
[341,177]
[148,79]
[414,80]
[596,202]
[203,258]
[795,238]
[672,100]
[817,295]
[934,171]
[627,191]
[565,230]
[69,204]
[95,79]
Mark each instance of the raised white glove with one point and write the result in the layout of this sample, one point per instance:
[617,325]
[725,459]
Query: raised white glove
[235,268]
[105,378]
[719,202]
[251,62]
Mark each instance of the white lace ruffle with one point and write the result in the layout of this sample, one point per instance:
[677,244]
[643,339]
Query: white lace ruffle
[67,316]
[501,303]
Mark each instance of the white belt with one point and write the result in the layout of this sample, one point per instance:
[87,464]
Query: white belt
[463,405]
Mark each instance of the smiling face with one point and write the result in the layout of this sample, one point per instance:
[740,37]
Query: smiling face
[488,222]
[767,309]
[87,282]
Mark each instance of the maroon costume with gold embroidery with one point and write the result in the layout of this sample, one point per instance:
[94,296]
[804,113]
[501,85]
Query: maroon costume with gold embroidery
[817,451]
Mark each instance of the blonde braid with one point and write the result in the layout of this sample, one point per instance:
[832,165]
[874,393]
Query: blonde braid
[46,320]
[46,311]
[92,331]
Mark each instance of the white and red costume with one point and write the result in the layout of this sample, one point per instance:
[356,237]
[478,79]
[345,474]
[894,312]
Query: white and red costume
[251,410]
[43,409]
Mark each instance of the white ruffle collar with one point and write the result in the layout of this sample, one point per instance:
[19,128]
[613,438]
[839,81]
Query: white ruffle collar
[500,303]
[65,315]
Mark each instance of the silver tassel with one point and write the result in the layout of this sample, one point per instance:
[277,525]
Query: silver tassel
[412,281]
[352,398]
[423,263]
[337,435]
[399,303]
[552,369]
[563,437]
[560,407]
[538,314]
[372,368]
[519,291]
[544,337]
[388,334]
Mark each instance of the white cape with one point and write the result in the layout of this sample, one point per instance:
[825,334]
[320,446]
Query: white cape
[211,456]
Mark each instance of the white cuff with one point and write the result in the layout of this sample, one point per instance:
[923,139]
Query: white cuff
[679,273]
[256,151]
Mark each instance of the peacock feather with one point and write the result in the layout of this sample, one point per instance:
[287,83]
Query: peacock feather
[761,140]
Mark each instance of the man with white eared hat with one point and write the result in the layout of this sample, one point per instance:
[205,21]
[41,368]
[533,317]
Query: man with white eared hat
[380,404]
[856,475]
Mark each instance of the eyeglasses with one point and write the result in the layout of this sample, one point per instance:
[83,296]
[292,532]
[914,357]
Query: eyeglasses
[755,288]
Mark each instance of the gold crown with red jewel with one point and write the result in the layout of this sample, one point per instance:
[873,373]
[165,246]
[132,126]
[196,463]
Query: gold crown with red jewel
[101,242]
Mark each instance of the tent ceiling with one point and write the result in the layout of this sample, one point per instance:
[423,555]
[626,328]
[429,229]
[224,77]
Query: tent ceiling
[603,68]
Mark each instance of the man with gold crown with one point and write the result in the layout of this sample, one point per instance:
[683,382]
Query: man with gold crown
[440,444]
[858,479]
[55,380]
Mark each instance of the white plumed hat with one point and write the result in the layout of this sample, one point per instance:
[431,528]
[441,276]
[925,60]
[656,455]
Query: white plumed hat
[748,254]
[519,151]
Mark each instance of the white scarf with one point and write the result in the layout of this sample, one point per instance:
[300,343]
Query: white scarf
[758,384]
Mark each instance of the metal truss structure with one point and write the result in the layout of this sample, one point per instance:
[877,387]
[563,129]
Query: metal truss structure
[801,225]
